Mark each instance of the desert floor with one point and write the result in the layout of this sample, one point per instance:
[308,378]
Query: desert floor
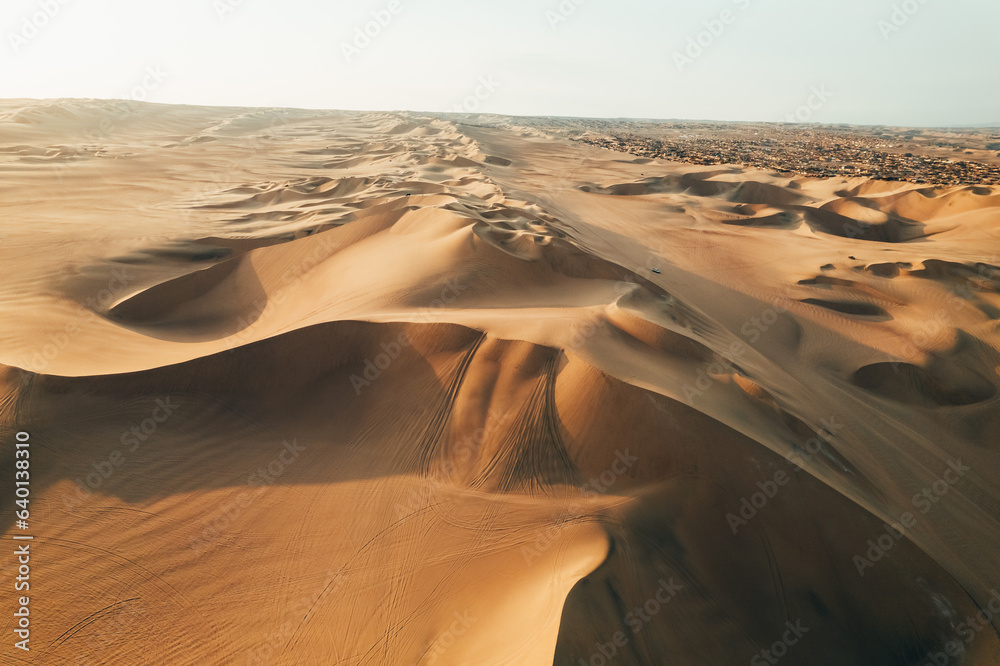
[308,387]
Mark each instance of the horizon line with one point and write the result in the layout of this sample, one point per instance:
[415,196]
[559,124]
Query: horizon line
[982,126]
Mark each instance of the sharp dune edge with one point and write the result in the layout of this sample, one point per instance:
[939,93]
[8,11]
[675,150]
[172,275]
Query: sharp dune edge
[316,387]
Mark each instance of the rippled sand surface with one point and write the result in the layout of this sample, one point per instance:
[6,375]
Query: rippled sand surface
[311,387]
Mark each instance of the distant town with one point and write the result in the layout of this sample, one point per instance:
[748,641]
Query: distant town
[939,156]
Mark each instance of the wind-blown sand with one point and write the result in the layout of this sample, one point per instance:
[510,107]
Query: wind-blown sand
[315,387]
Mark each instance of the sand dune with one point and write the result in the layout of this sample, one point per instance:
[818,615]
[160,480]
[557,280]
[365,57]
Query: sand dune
[316,387]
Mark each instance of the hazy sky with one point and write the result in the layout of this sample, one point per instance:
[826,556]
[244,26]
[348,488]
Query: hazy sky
[856,61]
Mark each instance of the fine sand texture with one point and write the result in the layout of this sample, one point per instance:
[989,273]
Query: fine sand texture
[310,387]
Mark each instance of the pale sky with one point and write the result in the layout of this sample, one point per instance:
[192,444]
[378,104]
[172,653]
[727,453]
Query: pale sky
[855,61]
